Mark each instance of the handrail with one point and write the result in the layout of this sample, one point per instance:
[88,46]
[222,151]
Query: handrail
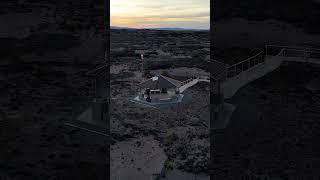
[233,68]
[293,47]
[281,52]
[247,64]
[245,60]
[193,78]
[97,69]
[303,52]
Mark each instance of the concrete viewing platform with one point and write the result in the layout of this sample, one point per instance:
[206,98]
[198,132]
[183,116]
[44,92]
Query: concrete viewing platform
[159,102]
[160,91]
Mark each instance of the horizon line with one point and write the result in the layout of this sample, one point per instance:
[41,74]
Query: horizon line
[124,27]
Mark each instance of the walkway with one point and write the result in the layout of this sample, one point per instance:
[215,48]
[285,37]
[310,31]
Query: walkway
[240,74]
[192,81]
[233,84]
[258,66]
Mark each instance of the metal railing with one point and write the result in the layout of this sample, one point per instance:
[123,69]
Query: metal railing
[204,77]
[281,53]
[193,78]
[186,81]
[272,50]
[245,65]
[304,52]
[269,50]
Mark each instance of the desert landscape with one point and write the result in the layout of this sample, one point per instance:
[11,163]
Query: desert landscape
[179,134]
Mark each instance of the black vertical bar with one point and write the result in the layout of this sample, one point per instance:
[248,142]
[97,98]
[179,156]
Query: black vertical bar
[107,59]
[212,113]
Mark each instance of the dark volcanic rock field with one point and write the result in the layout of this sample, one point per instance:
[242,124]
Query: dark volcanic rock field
[44,55]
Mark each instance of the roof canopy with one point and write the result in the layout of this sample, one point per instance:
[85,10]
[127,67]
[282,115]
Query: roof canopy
[160,81]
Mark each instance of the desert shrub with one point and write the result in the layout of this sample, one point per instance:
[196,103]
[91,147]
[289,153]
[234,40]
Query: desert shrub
[147,73]
[165,73]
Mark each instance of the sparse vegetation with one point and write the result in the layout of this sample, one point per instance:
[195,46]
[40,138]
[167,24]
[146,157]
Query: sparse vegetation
[147,73]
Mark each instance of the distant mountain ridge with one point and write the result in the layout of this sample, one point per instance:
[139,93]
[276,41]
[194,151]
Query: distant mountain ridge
[117,27]
[164,29]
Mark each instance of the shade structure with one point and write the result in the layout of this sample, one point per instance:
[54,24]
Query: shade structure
[160,81]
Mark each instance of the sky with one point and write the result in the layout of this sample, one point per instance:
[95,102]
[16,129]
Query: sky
[193,14]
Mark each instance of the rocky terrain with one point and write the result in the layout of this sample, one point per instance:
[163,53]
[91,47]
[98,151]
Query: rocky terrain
[181,131]
[162,49]
[46,47]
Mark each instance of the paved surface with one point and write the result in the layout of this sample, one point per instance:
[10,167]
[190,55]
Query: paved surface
[192,83]
[232,85]
[189,84]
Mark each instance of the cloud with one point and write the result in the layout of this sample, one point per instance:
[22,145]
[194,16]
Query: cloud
[167,16]
[154,6]
[161,12]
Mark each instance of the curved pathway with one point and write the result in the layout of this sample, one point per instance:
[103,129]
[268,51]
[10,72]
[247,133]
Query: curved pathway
[191,82]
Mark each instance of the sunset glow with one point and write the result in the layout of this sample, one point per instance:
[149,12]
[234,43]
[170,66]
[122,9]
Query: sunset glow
[161,13]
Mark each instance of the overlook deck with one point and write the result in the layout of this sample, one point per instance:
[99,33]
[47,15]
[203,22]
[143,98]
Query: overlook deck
[257,66]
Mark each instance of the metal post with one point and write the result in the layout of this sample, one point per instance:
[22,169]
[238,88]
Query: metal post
[99,111]
[241,67]
[305,54]
[266,49]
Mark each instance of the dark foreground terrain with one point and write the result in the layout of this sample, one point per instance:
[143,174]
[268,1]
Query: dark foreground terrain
[46,46]
[273,132]
[304,14]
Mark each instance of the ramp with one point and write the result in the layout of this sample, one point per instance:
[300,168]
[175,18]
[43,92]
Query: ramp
[232,85]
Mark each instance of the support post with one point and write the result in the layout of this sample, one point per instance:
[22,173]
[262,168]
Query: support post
[265,49]
[99,111]
[241,67]
[216,102]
